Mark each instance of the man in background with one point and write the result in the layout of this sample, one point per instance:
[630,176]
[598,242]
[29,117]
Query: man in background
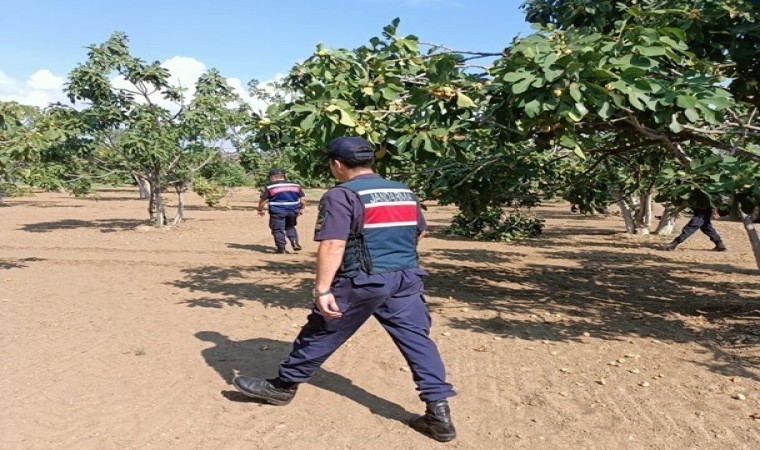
[704,212]
[286,202]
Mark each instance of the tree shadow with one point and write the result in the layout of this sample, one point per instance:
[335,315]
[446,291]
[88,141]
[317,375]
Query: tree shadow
[260,357]
[272,283]
[105,225]
[549,237]
[120,190]
[39,204]
[607,294]
[441,232]
[565,294]
[251,208]
[18,263]
[489,256]
[558,232]
[567,216]
[121,198]
[252,247]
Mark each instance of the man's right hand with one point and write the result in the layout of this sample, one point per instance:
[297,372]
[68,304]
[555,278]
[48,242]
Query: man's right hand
[262,212]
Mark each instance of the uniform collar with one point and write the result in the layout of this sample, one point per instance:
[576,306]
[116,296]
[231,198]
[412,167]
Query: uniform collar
[365,175]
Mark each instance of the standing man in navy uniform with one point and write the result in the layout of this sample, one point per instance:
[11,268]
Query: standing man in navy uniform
[367,229]
[286,202]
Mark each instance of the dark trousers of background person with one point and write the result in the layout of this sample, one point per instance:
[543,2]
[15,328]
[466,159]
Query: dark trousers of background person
[700,221]
[395,300]
[282,225]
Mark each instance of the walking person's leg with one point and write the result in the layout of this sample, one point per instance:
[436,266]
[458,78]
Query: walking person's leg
[708,229]
[404,316]
[406,319]
[317,340]
[277,225]
[694,224]
[291,220]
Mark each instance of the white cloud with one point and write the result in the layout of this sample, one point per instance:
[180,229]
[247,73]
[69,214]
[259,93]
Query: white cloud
[44,80]
[44,87]
[40,89]
[184,71]
[7,85]
[259,106]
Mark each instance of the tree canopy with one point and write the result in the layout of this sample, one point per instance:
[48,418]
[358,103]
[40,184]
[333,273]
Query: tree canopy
[144,125]
[608,101]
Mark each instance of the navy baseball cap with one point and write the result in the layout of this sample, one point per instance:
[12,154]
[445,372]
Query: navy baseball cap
[275,171]
[351,148]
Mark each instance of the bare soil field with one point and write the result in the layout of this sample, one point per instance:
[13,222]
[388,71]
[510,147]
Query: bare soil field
[116,335]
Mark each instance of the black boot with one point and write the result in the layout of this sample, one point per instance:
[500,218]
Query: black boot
[296,246]
[670,246]
[274,391]
[280,250]
[720,247]
[436,422]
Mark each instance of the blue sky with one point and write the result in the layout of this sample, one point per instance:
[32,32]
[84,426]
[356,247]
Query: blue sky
[44,39]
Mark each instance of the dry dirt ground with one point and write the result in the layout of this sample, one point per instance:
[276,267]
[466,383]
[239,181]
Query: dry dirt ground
[118,336]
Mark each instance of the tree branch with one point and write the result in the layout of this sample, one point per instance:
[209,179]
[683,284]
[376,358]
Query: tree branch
[477,169]
[95,177]
[675,148]
[728,147]
[449,50]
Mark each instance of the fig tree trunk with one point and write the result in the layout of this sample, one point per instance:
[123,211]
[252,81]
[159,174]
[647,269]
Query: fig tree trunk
[156,207]
[643,216]
[668,220]
[625,211]
[160,213]
[143,186]
[180,188]
[753,237]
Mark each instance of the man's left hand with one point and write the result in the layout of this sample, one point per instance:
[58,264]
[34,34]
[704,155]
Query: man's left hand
[327,306]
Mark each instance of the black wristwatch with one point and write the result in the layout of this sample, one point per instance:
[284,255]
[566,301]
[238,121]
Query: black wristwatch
[316,294]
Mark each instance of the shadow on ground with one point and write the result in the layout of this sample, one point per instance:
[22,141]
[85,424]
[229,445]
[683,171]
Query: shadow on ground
[122,198]
[253,247]
[37,204]
[608,294]
[260,357]
[273,283]
[105,225]
[601,286]
[18,263]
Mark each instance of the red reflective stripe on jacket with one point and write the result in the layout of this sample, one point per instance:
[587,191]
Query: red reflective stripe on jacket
[390,213]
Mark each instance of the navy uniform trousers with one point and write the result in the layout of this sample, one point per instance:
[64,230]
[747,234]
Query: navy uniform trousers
[395,300]
[700,221]
[283,224]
